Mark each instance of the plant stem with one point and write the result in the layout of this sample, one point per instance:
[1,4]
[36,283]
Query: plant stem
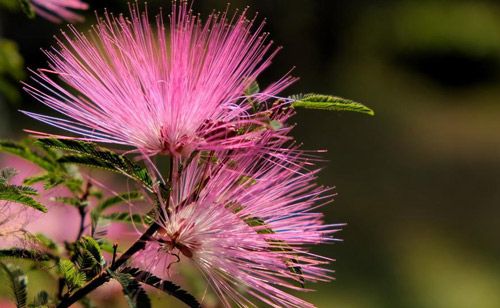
[81,293]
[82,209]
[83,213]
[104,277]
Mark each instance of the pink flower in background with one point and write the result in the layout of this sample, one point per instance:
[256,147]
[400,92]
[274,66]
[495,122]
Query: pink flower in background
[49,223]
[59,10]
[245,224]
[160,91]
[14,219]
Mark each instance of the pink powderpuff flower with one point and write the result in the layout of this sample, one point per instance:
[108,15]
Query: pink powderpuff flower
[160,91]
[58,10]
[245,224]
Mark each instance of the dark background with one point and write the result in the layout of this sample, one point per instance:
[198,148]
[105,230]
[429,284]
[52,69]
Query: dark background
[418,184]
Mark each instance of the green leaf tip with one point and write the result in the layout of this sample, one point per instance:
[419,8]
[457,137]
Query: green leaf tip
[134,293]
[19,283]
[90,154]
[163,285]
[328,102]
[27,8]
[73,277]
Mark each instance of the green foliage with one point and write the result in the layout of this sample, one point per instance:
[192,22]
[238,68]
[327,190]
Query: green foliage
[23,150]
[135,294]
[18,194]
[8,194]
[96,213]
[125,217]
[55,172]
[91,155]
[41,300]
[105,245]
[246,181]
[11,69]
[11,5]
[18,282]
[88,257]
[25,254]
[119,199]
[163,285]
[260,226]
[327,102]
[46,242]
[252,88]
[73,278]
[76,202]
[27,8]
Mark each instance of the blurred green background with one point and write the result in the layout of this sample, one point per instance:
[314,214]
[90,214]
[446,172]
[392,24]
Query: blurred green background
[419,183]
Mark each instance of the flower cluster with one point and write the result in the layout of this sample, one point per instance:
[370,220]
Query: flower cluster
[240,201]
[244,221]
[162,93]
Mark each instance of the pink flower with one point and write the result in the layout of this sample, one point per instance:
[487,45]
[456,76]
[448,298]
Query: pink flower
[245,224]
[59,10]
[160,91]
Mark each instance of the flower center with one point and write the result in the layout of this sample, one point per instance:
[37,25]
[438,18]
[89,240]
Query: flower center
[173,240]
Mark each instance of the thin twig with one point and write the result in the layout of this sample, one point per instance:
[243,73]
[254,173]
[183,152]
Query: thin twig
[104,277]
[82,209]
[115,247]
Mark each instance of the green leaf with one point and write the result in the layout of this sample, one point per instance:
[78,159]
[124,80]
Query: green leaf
[135,294]
[96,213]
[330,103]
[25,254]
[76,202]
[72,276]
[124,217]
[91,155]
[260,226]
[163,285]
[88,257]
[252,88]
[27,8]
[25,152]
[18,282]
[119,199]
[41,300]
[45,158]
[16,197]
[113,162]
[46,242]
[53,179]
[23,190]
[36,179]
[106,245]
